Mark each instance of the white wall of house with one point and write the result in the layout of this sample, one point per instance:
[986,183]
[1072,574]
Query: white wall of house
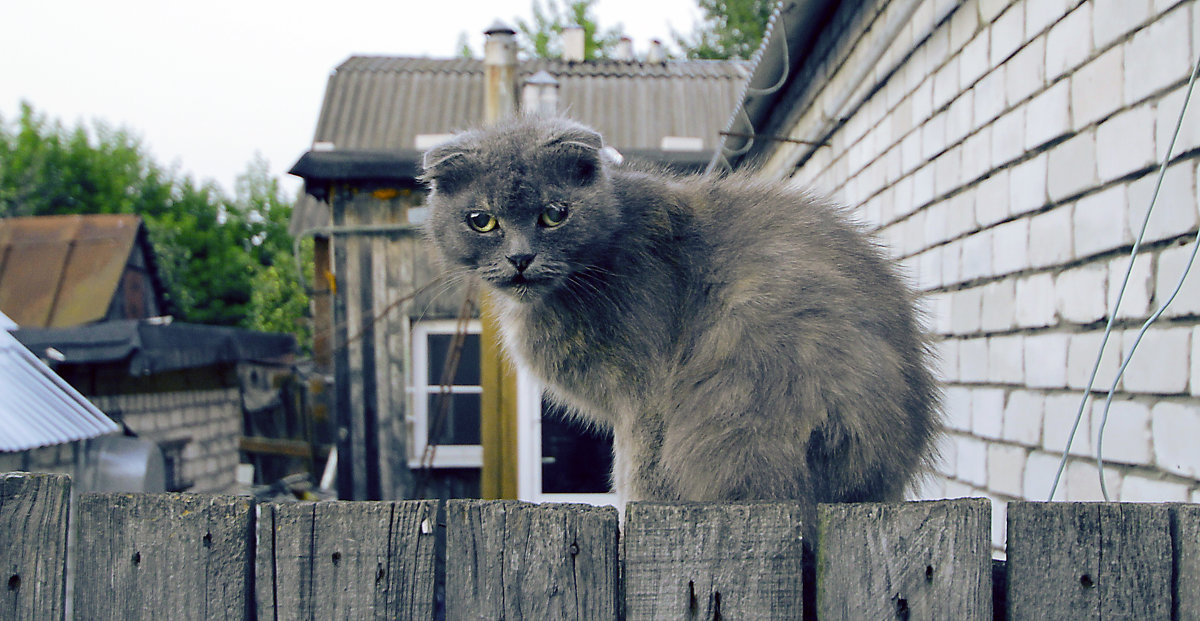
[1008,162]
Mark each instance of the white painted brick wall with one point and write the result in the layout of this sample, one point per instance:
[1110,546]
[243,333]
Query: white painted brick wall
[1039,475]
[1072,166]
[1096,88]
[1049,241]
[1026,72]
[1008,135]
[1007,33]
[957,403]
[1035,301]
[992,199]
[1082,481]
[997,306]
[1058,417]
[1047,115]
[989,94]
[1006,469]
[1158,55]
[1010,245]
[1160,364]
[1027,183]
[965,310]
[1174,210]
[972,460]
[987,412]
[1069,42]
[1141,488]
[973,360]
[1081,359]
[1140,286]
[1080,293]
[1098,219]
[1127,432]
[1112,19]
[1171,263]
[1023,417]
[1175,429]
[1124,143]
[1006,359]
[1046,360]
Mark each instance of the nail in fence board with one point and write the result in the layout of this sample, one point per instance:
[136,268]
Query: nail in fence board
[919,560]
[149,556]
[347,560]
[710,561]
[33,546]
[1185,523]
[1089,561]
[515,560]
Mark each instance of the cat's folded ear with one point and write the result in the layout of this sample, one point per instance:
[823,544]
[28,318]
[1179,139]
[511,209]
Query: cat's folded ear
[576,152]
[448,167]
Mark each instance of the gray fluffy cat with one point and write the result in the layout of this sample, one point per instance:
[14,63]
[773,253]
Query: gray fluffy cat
[742,340]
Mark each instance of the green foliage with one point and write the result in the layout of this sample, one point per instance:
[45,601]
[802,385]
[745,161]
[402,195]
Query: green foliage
[730,29]
[225,261]
[542,38]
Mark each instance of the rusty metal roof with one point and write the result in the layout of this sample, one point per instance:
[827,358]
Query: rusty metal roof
[64,270]
[382,103]
[38,407]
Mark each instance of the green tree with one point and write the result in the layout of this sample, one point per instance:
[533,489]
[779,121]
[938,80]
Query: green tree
[542,37]
[730,29]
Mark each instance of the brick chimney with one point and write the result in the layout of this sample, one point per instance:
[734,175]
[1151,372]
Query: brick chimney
[540,94]
[624,49]
[573,44]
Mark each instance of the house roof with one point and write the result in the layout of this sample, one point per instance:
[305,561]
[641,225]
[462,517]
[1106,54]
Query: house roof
[150,346]
[39,408]
[379,105]
[64,270]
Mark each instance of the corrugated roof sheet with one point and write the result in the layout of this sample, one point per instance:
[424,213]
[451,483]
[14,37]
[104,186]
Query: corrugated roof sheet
[379,103]
[37,407]
[63,270]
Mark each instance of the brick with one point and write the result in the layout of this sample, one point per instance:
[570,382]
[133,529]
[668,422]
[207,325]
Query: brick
[929,270]
[1195,374]
[992,199]
[1096,88]
[933,136]
[1125,143]
[1175,428]
[1069,42]
[989,96]
[990,9]
[977,154]
[1095,215]
[960,214]
[972,460]
[946,360]
[959,117]
[1058,418]
[1026,72]
[1027,185]
[1008,33]
[1008,133]
[1046,360]
[1082,480]
[997,306]
[957,404]
[1167,118]
[923,185]
[1006,469]
[947,456]
[1041,14]
[1160,363]
[947,173]
[1039,476]
[1126,432]
[1135,303]
[1175,208]
[1080,293]
[1010,246]
[932,487]
[1047,116]
[1081,359]
[951,258]
[1049,243]
[987,412]
[1112,19]
[1023,418]
[945,82]
[963,26]
[958,489]
[1006,359]
[1071,167]
[1158,56]
[965,309]
[1035,301]
[1171,263]
[977,256]
[1142,488]
[973,360]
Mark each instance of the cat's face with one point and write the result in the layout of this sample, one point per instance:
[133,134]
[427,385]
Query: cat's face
[523,206]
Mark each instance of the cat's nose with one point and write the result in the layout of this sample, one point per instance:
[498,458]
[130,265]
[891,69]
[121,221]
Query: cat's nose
[521,261]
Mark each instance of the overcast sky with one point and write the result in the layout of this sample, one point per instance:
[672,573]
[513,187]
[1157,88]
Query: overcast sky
[207,84]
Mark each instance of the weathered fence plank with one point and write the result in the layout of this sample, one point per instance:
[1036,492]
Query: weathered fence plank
[146,556]
[515,560]
[710,561]
[1185,528]
[1089,561]
[33,547]
[347,560]
[920,560]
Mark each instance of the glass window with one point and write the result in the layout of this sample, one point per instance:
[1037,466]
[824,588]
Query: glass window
[445,417]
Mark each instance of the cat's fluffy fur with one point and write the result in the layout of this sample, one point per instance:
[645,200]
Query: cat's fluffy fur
[743,340]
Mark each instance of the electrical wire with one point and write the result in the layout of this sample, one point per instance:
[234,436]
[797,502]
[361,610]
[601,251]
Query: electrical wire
[1162,171]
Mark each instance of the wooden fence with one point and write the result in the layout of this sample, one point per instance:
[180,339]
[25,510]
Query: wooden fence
[182,556]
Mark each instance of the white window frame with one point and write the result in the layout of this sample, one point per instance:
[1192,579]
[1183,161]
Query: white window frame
[529,448]
[446,455]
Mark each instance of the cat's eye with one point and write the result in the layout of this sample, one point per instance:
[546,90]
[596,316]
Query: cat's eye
[481,221]
[553,215]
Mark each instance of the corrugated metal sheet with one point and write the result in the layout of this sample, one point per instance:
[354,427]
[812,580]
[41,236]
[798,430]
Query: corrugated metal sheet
[38,408]
[63,270]
[379,103]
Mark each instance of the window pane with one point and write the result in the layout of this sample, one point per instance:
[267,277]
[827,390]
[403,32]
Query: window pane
[461,423]
[575,459]
[467,373]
